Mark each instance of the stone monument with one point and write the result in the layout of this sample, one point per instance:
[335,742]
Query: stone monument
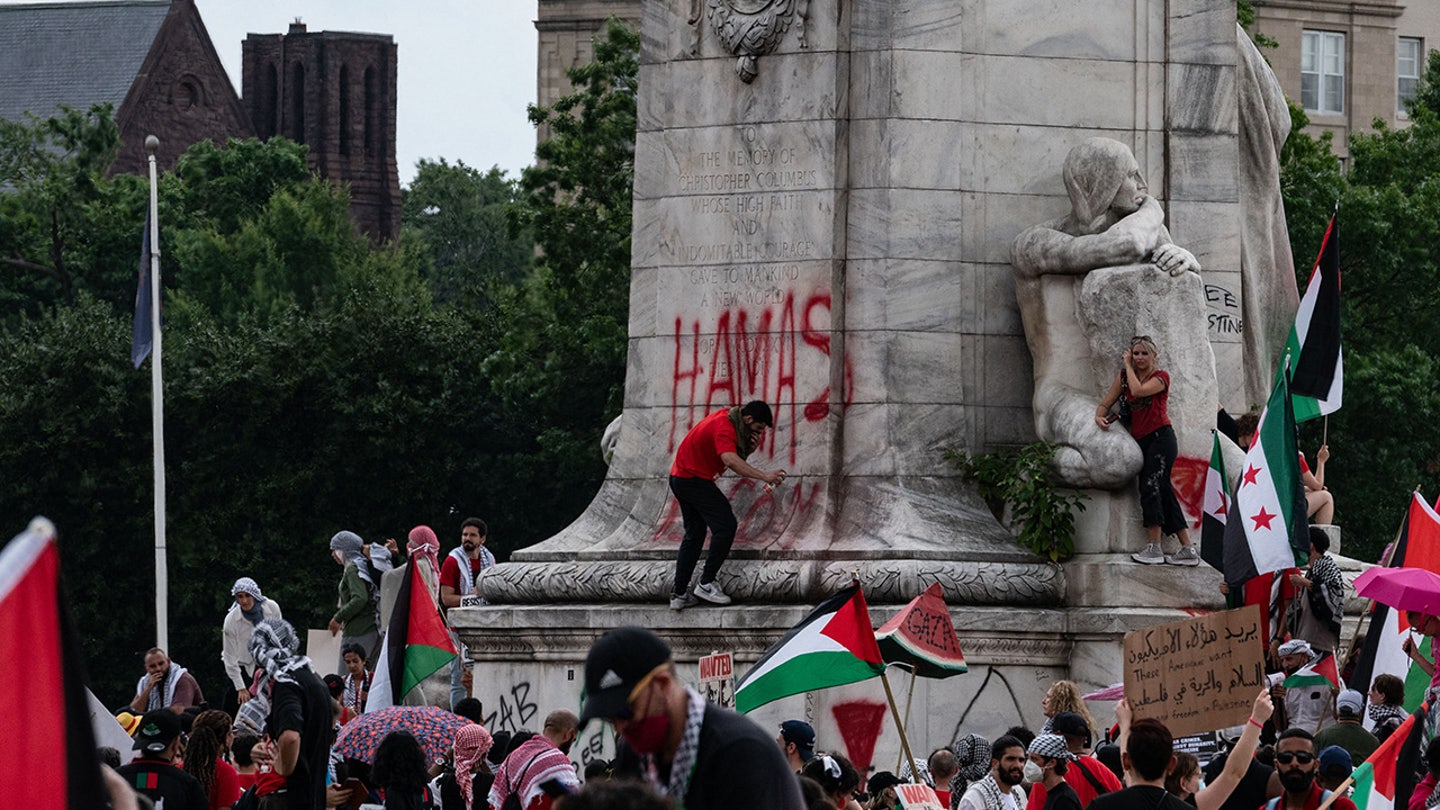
[825,199]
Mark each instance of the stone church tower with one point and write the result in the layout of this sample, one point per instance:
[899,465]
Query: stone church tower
[334,92]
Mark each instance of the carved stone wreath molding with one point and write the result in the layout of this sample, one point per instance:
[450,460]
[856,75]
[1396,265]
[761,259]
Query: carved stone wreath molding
[779,581]
[749,28]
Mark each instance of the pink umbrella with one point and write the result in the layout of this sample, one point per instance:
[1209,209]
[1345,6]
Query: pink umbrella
[1402,588]
[1116,693]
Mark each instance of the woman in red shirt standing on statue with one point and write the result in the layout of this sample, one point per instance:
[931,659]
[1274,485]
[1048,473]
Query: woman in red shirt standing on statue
[1143,391]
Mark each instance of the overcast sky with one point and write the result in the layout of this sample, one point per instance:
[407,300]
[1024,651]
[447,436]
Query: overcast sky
[466,68]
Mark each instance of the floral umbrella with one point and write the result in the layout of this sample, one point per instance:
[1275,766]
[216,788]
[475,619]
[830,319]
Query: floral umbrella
[435,729]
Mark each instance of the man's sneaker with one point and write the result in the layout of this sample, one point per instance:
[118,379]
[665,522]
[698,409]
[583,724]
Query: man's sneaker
[710,592]
[1186,556]
[682,602]
[1152,555]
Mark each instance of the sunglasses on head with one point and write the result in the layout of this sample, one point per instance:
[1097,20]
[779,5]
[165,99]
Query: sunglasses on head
[1286,757]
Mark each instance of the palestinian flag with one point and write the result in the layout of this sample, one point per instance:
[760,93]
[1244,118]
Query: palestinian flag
[1216,505]
[1390,771]
[50,755]
[921,637]
[1314,341]
[417,644]
[1266,530]
[1417,547]
[1320,673]
[833,646]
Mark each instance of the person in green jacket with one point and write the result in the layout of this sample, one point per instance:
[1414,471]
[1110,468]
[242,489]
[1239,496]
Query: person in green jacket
[357,616]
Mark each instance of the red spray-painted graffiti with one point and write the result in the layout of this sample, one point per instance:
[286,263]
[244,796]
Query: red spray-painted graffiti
[859,722]
[1187,477]
[765,518]
[746,355]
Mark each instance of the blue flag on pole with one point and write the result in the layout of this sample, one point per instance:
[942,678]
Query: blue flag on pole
[142,339]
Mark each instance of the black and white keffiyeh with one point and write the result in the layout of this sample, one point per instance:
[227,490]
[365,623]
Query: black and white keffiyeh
[273,646]
[683,766]
[1329,584]
[1051,746]
[972,754]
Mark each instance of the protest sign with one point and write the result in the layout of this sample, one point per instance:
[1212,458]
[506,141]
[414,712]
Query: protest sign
[717,679]
[1199,674]
[918,797]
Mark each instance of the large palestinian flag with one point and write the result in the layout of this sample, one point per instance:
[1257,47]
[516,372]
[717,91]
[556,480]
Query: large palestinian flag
[417,644]
[1417,547]
[1390,771]
[48,760]
[1316,379]
[833,646]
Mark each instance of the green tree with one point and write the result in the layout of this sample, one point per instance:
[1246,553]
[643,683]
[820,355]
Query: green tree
[459,216]
[561,369]
[65,225]
[1389,215]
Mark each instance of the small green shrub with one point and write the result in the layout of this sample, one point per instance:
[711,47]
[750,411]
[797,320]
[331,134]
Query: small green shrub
[1042,513]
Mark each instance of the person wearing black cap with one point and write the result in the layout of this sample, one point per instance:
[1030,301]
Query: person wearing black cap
[881,788]
[721,441]
[699,754]
[153,773]
[797,740]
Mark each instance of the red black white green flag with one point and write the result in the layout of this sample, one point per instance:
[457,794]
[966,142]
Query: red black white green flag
[1215,508]
[48,761]
[417,644]
[1316,378]
[833,646]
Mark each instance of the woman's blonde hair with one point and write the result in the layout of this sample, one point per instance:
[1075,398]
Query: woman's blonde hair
[1065,697]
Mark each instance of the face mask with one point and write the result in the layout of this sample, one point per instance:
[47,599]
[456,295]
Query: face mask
[1033,772]
[646,736]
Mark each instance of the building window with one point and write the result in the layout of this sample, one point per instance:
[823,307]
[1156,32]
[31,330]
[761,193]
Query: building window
[1409,60]
[1322,72]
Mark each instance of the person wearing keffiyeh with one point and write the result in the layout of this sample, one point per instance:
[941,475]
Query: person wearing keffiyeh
[300,718]
[1000,789]
[249,609]
[468,788]
[357,615]
[1319,606]
[165,685]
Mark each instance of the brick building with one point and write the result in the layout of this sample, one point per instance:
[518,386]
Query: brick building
[567,30]
[154,62]
[335,92]
[1349,63]
[151,59]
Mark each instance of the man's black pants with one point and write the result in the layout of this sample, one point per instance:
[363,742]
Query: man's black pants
[702,506]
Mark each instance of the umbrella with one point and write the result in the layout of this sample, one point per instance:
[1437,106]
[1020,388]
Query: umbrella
[1402,588]
[1116,692]
[435,729]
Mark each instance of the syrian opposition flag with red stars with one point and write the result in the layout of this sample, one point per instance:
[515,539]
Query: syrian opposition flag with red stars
[417,644]
[833,646]
[48,760]
[1216,508]
[1266,529]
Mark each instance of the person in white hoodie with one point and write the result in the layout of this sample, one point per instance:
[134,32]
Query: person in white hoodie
[249,609]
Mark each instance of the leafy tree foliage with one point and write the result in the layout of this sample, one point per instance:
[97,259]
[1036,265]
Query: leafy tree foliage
[458,215]
[1389,215]
[64,225]
[561,368]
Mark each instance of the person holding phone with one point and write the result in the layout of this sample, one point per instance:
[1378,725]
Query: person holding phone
[1142,390]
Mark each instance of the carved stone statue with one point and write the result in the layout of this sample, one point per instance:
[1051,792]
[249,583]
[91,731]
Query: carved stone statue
[1112,222]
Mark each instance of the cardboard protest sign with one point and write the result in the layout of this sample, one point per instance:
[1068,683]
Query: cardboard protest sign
[918,797]
[1199,674]
[717,679]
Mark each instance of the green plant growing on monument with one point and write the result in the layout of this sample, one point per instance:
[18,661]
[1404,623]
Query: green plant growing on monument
[1042,513]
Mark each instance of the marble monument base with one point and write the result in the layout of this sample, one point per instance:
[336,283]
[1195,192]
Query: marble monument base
[530,660]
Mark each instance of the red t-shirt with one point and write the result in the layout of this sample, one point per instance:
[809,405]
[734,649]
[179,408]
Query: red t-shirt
[1077,780]
[450,572]
[699,453]
[1147,415]
[227,785]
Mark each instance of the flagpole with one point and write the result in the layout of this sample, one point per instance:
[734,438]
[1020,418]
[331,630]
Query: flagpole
[909,698]
[895,711]
[1384,563]
[157,411]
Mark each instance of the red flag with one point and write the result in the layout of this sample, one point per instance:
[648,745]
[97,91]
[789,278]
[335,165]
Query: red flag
[49,757]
